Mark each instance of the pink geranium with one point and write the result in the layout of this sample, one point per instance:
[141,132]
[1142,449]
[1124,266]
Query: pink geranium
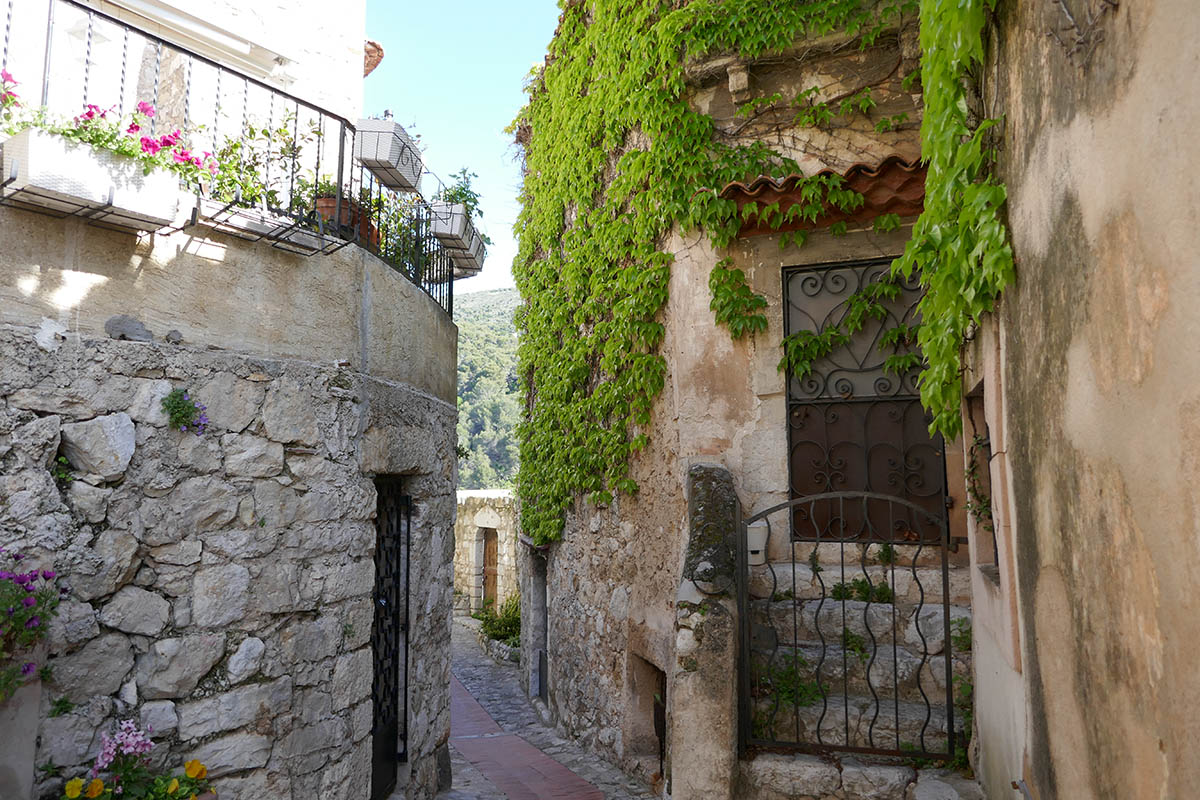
[150,146]
[133,128]
[145,108]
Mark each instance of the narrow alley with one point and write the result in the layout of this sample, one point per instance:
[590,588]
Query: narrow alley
[501,750]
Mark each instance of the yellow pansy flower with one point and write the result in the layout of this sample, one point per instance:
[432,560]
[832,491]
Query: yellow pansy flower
[94,788]
[74,788]
[194,769]
[173,786]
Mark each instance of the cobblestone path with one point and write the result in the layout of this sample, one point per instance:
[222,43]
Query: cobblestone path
[499,748]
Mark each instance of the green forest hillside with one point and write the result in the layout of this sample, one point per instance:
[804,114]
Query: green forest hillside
[489,405]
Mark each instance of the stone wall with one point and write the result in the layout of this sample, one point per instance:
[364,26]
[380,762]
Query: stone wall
[480,509]
[220,584]
[1093,387]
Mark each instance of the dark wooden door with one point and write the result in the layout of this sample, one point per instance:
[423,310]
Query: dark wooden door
[490,555]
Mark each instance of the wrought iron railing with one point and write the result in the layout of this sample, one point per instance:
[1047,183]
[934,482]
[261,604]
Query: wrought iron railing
[287,171]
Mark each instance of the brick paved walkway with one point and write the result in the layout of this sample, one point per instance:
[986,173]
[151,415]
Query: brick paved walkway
[499,748]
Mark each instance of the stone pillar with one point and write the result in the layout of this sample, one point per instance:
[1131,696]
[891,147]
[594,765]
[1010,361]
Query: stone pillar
[702,728]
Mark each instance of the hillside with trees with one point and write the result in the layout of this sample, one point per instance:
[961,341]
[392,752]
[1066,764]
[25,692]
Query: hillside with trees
[489,405]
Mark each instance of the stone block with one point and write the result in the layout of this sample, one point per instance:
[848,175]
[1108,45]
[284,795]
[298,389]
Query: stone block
[246,660]
[135,610]
[181,554]
[99,668]
[231,403]
[173,667]
[35,443]
[220,595]
[68,740]
[235,753]
[927,631]
[89,502]
[258,702]
[875,782]
[251,456]
[944,785]
[146,406]
[159,717]
[123,326]
[102,446]
[288,414]
[75,623]
[115,552]
[352,675]
[791,775]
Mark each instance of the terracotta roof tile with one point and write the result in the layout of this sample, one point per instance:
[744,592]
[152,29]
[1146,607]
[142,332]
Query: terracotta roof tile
[894,186]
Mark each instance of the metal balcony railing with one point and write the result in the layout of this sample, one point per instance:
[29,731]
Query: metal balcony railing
[287,172]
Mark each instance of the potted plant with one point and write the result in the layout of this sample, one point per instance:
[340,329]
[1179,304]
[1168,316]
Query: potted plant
[350,217]
[452,212]
[99,164]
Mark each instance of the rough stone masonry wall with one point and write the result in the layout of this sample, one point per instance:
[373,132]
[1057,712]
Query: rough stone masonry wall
[220,585]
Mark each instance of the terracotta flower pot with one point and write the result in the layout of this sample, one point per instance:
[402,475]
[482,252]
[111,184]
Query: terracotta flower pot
[352,216]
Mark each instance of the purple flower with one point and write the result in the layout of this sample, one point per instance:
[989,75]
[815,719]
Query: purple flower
[28,669]
[33,623]
[17,556]
[48,574]
[29,602]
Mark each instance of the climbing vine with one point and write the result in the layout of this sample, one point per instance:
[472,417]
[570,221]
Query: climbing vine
[615,158]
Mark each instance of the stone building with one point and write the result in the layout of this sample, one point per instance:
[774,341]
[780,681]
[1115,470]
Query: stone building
[633,623]
[485,549]
[272,593]
[1080,427]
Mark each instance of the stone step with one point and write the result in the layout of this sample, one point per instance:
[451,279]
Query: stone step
[853,721]
[776,776]
[899,673]
[780,579]
[920,630]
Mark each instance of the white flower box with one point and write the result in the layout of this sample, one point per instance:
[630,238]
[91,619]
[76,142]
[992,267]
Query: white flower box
[386,149]
[451,225]
[67,177]
[255,225]
[469,260]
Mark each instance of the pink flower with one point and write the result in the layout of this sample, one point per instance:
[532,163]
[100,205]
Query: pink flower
[212,168]
[182,156]
[150,146]
[133,128]
[7,77]
[145,108]
[171,139]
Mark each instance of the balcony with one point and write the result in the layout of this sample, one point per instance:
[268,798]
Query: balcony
[249,160]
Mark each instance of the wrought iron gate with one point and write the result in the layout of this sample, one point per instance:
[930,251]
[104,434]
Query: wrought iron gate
[846,632]
[845,641]
[389,635]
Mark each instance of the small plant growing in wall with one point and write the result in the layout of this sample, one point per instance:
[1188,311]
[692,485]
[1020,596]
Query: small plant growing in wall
[60,470]
[28,601]
[185,413]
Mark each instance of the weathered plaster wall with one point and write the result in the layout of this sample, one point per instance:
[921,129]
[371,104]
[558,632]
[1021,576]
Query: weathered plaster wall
[479,509]
[1100,382]
[221,291]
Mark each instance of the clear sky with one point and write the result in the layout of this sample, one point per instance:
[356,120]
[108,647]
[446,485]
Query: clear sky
[452,72]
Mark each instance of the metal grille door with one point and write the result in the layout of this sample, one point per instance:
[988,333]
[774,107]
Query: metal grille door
[845,640]
[389,636]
